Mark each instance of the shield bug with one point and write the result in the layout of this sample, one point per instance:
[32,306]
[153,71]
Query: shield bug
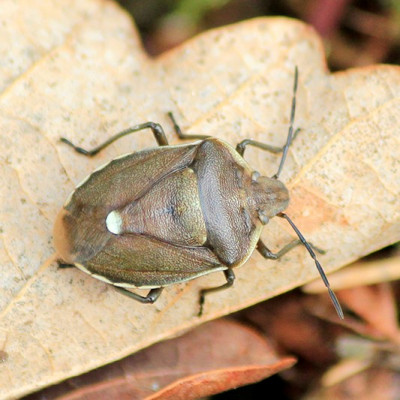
[170,214]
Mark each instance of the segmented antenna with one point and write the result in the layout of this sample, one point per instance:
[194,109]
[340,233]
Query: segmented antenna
[290,133]
[334,299]
[332,295]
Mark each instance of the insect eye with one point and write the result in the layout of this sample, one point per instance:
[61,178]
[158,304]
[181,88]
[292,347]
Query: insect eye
[263,217]
[255,175]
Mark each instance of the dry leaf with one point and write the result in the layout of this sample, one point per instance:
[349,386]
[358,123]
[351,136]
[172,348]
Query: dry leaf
[77,69]
[286,321]
[217,356]
[373,384]
[377,306]
[343,370]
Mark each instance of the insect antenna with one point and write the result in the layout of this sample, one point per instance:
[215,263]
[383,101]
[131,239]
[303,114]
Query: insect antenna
[290,133]
[283,215]
[319,267]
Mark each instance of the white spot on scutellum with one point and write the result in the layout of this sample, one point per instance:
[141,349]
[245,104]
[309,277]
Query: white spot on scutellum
[114,222]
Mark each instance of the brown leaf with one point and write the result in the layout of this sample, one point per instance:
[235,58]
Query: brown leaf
[377,306]
[215,357]
[320,307]
[77,69]
[372,384]
[206,384]
[286,321]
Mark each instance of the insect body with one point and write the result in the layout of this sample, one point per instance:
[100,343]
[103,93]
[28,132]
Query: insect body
[170,214]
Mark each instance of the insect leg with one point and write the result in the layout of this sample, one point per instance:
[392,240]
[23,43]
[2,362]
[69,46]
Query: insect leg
[241,147]
[184,135]
[230,278]
[157,130]
[267,253]
[151,297]
[64,265]
[290,137]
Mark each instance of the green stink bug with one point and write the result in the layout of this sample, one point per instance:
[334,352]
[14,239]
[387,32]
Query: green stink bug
[170,214]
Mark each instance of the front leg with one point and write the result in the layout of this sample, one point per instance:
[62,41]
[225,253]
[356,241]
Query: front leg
[267,253]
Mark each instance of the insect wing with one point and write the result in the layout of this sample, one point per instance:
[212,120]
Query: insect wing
[140,261]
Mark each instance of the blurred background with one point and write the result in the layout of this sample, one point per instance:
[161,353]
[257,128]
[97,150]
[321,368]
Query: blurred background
[355,32]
